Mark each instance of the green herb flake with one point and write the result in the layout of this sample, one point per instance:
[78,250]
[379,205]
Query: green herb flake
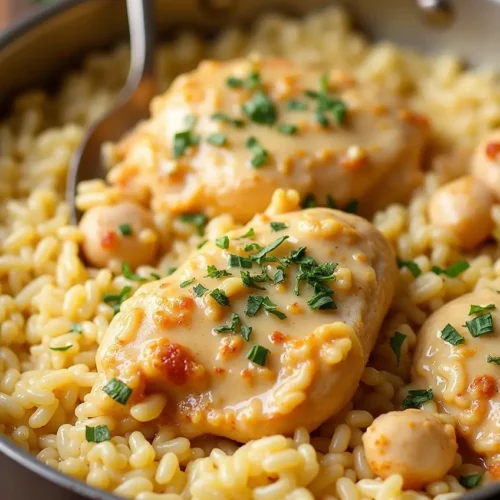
[222,117]
[184,140]
[477,309]
[261,254]
[330,202]
[454,270]
[222,242]
[309,201]
[125,229]
[254,303]
[238,261]
[396,341]
[260,155]
[450,335]
[471,481]
[416,398]
[493,359]
[127,273]
[278,226]
[253,80]
[252,246]
[326,104]
[322,300]
[115,300]
[155,276]
[287,128]
[186,283]
[246,331]
[198,220]
[97,434]
[201,244]
[199,290]
[76,328]
[258,355]
[279,276]
[272,308]
[170,270]
[231,327]
[234,82]
[480,325]
[260,109]
[295,105]
[118,391]
[217,139]
[61,349]
[411,265]
[322,119]
[251,280]
[220,297]
[351,207]
[213,272]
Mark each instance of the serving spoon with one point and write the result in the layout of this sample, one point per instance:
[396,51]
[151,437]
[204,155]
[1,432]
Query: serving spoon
[131,107]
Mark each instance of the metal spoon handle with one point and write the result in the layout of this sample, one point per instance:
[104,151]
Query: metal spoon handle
[142,41]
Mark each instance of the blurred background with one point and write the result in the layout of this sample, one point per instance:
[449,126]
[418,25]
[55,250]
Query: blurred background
[11,10]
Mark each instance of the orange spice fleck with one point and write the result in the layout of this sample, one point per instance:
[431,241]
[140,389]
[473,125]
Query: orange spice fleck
[278,337]
[492,150]
[109,241]
[485,386]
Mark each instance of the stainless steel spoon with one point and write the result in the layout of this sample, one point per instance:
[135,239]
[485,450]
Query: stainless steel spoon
[132,104]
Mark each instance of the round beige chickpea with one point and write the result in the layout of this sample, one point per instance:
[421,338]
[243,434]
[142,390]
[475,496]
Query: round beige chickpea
[124,232]
[463,206]
[416,444]
[486,162]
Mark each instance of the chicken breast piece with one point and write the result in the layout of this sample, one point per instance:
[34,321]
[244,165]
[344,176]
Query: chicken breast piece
[225,136]
[458,357]
[258,332]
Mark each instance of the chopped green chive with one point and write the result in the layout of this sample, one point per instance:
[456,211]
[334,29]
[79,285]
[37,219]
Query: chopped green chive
[118,391]
[246,332]
[155,276]
[125,229]
[260,109]
[222,242]
[61,349]
[171,270]
[272,308]
[253,80]
[477,309]
[454,270]
[480,325]
[260,155]
[278,226]
[322,300]
[252,246]
[256,302]
[115,300]
[287,128]
[471,481]
[97,434]
[184,140]
[322,119]
[217,139]
[309,201]
[222,117]
[199,290]
[127,273]
[186,283]
[493,359]
[417,398]
[258,355]
[231,327]
[295,105]
[330,202]
[249,234]
[261,254]
[220,297]
[251,280]
[450,335]
[411,265]
[279,276]
[197,220]
[234,83]
[396,341]
[238,261]
[76,328]
[201,244]
[213,272]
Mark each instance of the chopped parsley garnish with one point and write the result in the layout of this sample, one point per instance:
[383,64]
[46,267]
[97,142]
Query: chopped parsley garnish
[115,300]
[246,332]
[315,274]
[118,391]
[260,109]
[417,398]
[322,300]
[186,283]
[76,328]
[197,220]
[279,276]
[253,80]
[258,355]
[97,434]
[411,265]
[309,201]
[252,246]
[155,276]
[396,341]
[260,155]
[256,302]
[220,297]
[454,270]
[480,325]
[295,105]
[234,83]
[199,290]
[217,139]
[261,254]
[184,140]
[278,226]
[450,335]
[170,270]
[231,327]
[222,242]
[238,261]
[201,244]
[249,234]
[236,122]
[127,273]
[125,229]
[61,349]
[213,272]
[287,128]
[251,280]
[326,104]
[477,309]
[470,481]
[493,359]
[330,202]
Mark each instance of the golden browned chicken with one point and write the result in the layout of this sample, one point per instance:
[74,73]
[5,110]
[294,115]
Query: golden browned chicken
[261,331]
[458,357]
[223,138]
